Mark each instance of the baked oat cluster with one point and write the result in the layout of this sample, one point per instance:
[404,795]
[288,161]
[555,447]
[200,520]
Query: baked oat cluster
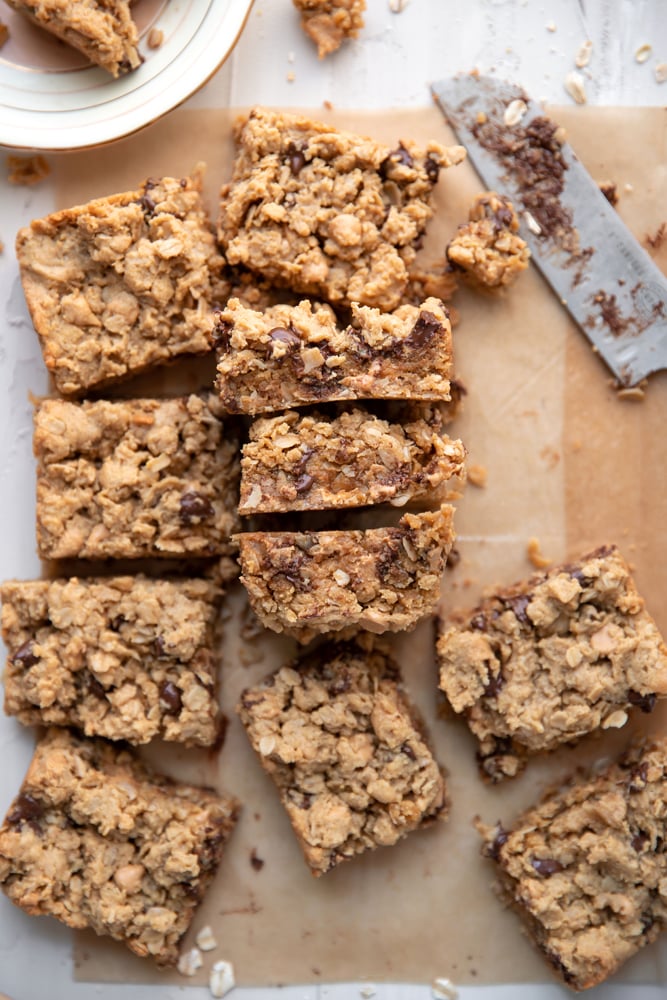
[103,30]
[330,22]
[347,751]
[488,248]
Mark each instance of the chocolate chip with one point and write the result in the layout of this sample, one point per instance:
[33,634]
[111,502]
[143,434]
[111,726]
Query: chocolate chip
[453,559]
[183,182]
[500,837]
[341,683]
[295,158]
[639,841]
[147,204]
[559,965]
[408,751]
[94,687]
[303,461]
[577,575]
[402,156]
[644,701]
[432,168]
[221,335]
[494,686]
[518,605]
[116,623]
[638,778]
[478,622]
[25,807]
[647,919]
[170,698]
[303,483]
[303,801]
[425,329]
[546,867]
[158,646]
[285,336]
[256,861]
[194,505]
[24,655]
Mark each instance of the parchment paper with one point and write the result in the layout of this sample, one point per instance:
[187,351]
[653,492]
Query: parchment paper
[568,462]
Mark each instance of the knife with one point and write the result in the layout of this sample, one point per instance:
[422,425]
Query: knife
[598,270]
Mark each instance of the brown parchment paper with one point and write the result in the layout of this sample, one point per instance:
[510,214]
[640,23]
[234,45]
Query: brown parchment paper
[568,462]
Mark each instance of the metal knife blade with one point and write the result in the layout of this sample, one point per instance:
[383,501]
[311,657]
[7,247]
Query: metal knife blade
[596,267]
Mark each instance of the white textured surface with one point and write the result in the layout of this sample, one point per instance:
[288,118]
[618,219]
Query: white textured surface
[390,64]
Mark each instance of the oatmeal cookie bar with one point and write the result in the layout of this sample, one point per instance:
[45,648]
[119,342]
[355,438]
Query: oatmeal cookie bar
[326,212]
[103,30]
[551,659]
[383,579]
[347,751]
[330,22]
[295,355]
[489,248]
[586,868]
[133,478]
[311,462]
[96,840]
[122,283]
[128,658]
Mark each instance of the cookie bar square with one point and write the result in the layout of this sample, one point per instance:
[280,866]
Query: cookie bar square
[295,355]
[127,658]
[488,248]
[382,579]
[586,868]
[327,212]
[550,659]
[311,462]
[133,478]
[347,752]
[122,283]
[96,840]
[330,22]
[103,30]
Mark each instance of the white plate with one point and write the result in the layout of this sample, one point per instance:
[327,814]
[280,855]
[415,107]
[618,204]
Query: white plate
[51,98]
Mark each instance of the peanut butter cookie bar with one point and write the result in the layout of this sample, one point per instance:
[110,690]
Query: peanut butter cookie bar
[103,30]
[330,22]
[133,478]
[382,579]
[309,462]
[295,355]
[347,751]
[328,213]
[128,658]
[551,659]
[122,284]
[586,868]
[489,248]
[96,840]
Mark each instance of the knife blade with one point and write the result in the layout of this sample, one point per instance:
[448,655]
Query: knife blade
[596,267]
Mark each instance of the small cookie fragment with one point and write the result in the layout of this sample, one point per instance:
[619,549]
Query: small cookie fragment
[311,462]
[296,355]
[155,38]
[27,170]
[97,840]
[488,248]
[347,751]
[104,32]
[551,659]
[122,283]
[328,213]
[382,579]
[127,658]
[330,22]
[585,869]
[135,478]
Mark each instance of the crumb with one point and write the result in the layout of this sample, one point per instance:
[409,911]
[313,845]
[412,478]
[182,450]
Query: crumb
[2,247]
[396,6]
[477,476]
[628,188]
[550,456]
[328,105]
[643,53]
[635,393]
[574,84]
[221,980]
[577,445]
[535,555]
[27,170]
[551,26]
[4,33]
[291,77]
[367,991]
[661,73]
[655,241]
[443,989]
[608,189]
[256,862]
[205,939]
[583,56]
[453,559]
[155,38]
[481,118]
